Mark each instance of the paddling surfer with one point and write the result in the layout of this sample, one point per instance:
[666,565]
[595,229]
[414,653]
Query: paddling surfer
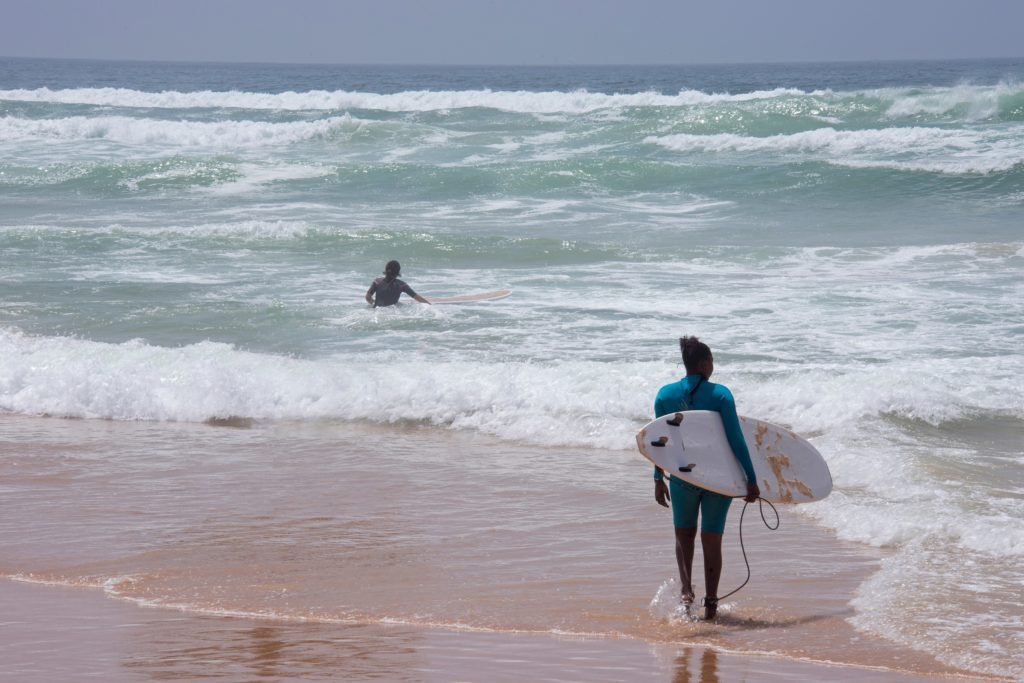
[385,291]
[695,392]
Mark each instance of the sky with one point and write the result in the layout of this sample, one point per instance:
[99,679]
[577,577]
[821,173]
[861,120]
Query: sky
[527,32]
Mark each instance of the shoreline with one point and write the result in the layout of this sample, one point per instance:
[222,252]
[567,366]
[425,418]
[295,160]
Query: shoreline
[53,631]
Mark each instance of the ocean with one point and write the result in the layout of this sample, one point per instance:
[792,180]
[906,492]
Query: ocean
[187,246]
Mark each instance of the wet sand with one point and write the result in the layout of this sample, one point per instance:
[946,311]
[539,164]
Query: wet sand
[337,551]
[60,634]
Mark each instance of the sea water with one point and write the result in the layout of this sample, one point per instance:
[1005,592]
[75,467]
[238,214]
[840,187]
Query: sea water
[191,242]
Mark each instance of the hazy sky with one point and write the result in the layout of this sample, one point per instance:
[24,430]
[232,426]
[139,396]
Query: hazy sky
[512,31]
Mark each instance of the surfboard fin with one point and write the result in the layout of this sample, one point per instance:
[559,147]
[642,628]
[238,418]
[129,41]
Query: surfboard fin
[676,420]
[660,442]
[688,468]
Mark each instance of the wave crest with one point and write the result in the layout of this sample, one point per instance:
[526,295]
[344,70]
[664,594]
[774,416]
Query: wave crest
[515,400]
[202,134]
[520,101]
[905,148]
[1003,101]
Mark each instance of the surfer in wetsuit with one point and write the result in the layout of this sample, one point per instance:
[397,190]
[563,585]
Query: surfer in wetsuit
[695,392]
[385,291]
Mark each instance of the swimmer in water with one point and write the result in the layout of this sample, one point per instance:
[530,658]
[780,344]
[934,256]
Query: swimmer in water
[385,291]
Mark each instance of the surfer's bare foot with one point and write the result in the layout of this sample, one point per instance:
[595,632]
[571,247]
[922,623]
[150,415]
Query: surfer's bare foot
[710,608]
[688,599]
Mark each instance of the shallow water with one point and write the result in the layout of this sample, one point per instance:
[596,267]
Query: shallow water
[57,633]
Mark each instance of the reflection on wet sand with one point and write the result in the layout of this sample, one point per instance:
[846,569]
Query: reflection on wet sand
[268,649]
[175,649]
[703,660]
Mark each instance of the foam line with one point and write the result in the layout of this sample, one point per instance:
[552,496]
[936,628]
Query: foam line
[133,131]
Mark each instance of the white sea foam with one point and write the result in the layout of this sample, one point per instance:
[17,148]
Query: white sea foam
[514,400]
[162,275]
[956,166]
[245,229]
[962,102]
[886,499]
[137,381]
[258,176]
[974,102]
[887,140]
[930,390]
[963,608]
[414,101]
[134,131]
[910,148]
[158,176]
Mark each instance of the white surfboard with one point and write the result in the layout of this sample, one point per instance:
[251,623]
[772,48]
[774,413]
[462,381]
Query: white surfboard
[470,298]
[691,445]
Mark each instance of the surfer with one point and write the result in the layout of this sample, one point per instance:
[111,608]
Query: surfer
[695,392]
[385,291]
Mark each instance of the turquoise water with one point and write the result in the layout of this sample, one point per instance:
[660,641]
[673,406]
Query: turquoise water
[185,242]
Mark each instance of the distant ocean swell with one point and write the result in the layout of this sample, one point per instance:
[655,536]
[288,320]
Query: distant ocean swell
[908,148]
[1002,102]
[427,139]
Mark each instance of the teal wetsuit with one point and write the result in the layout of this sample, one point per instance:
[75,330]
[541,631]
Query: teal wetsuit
[694,393]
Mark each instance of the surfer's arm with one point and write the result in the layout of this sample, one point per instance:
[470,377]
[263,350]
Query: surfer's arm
[661,494]
[409,290]
[659,410]
[369,293]
[733,432]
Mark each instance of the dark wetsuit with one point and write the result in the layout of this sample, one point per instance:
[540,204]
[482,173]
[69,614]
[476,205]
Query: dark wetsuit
[387,293]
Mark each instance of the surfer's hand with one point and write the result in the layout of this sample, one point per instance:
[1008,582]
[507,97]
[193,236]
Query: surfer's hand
[753,492]
[661,492]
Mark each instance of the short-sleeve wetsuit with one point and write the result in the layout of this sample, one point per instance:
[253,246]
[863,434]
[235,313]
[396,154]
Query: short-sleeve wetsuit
[694,393]
[386,293]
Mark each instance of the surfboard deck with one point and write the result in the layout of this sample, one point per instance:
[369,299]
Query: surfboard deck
[470,298]
[788,468]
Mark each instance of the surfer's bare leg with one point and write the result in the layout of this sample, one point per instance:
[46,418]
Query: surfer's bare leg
[684,558]
[711,543]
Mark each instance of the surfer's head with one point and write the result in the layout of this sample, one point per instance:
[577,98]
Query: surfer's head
[697,357]
[392,269]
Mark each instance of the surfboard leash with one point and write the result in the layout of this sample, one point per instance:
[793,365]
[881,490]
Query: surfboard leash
[760,505]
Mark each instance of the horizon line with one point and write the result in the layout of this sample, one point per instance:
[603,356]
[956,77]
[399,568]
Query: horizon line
[512,65]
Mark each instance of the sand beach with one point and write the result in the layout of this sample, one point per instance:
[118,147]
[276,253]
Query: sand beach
[289,552]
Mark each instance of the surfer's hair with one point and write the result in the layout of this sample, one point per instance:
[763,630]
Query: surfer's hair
[393,269]
[694,351]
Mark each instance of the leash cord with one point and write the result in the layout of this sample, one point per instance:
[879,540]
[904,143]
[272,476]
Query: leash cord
[760,505]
